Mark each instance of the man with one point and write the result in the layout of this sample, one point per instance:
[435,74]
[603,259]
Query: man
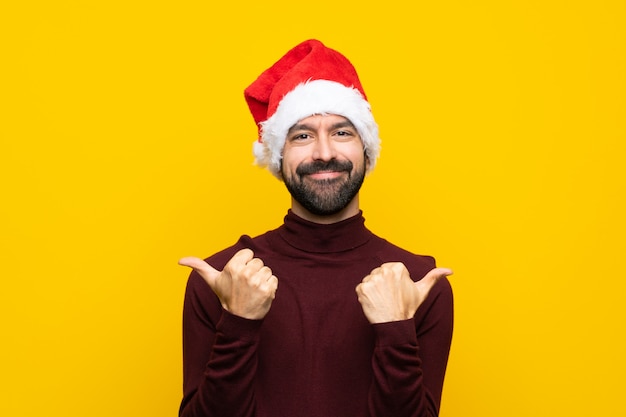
[319,317]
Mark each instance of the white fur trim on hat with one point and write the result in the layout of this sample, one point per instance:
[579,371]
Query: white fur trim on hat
[307,99]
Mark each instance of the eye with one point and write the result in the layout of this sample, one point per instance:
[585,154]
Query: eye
[344,134]
[300,136]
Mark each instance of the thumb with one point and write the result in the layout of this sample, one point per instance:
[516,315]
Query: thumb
[431,278]
[205,270]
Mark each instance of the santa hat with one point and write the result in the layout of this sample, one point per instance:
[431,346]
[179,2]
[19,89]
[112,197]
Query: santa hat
[309,79]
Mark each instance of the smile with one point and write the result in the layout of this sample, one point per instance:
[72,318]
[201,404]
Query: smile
[325,175]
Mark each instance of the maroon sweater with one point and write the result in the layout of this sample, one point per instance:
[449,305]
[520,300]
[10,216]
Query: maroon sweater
[315,354]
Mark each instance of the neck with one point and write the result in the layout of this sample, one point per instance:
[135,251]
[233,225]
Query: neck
[352,209]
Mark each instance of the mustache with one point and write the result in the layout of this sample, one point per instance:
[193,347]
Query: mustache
[319,166]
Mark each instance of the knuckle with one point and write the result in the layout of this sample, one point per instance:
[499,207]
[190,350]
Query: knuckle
[255,263]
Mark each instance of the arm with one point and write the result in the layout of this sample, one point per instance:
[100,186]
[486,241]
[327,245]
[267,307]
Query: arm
[411,349]
[220,335]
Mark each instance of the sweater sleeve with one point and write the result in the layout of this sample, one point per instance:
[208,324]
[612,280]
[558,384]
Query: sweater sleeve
[410,359]
[219,357]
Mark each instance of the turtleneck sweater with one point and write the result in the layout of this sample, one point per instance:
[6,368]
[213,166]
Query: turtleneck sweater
[315,354]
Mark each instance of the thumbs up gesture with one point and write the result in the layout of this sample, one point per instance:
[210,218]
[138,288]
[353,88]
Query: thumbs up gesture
[246,287]
[389,294]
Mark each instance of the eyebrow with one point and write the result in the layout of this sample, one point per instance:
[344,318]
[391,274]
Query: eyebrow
[304,126]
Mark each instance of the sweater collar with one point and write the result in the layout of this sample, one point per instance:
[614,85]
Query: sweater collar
[324,238]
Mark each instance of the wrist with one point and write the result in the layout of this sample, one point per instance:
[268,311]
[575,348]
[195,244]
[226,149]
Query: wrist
[395,333]
[237,327]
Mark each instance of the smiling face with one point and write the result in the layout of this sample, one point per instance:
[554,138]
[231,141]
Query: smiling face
[323,167]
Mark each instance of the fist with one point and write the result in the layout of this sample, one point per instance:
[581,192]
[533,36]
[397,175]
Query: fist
[245,288]
[389,294]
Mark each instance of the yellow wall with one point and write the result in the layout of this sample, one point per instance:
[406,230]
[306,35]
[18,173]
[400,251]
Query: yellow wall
[125,144]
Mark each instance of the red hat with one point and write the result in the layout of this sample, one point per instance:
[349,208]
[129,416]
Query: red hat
[309,79]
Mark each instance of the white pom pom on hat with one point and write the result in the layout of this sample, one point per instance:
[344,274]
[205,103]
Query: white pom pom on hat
[309,79]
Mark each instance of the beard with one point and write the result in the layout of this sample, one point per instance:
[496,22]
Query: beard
[328,196]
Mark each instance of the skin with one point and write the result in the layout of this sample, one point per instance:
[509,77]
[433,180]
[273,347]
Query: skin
[322,139]
[246,287]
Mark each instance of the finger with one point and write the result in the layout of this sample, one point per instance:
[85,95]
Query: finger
[359,289]
[255,264]
[376,270]
[205,270]
[432,277]
[242,257]
[393,269]
[265,273]
[259,277]
[238,262]
[273,284]
[273,281]
[392,265]
[269,287]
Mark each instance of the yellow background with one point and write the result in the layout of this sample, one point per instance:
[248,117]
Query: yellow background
[126,144]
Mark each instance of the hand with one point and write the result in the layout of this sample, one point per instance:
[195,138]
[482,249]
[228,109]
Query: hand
[389,294]
[246,287]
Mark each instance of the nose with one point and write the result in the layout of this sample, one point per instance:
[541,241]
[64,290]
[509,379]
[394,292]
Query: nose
[324,148]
